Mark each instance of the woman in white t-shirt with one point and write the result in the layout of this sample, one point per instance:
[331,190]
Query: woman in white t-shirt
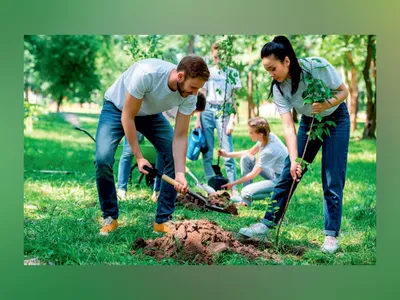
[265,158]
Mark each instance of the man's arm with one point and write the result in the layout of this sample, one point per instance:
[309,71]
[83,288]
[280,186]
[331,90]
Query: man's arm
[179,147]
[131,108]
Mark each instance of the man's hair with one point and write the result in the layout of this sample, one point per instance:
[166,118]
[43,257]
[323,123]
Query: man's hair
[260,125]
[194,67]
[201,102]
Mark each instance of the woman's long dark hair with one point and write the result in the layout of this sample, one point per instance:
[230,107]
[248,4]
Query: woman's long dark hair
[281,47]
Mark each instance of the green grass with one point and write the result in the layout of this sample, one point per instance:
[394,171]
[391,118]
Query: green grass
[62,210]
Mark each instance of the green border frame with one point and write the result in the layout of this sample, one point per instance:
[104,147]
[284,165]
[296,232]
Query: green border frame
[185,17]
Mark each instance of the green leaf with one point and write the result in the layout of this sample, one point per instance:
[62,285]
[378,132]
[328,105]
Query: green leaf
[318,117]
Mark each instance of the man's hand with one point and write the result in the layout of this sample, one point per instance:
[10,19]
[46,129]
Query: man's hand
[181,186]
[318,108]
[229,128]
[198,123]
[141,163]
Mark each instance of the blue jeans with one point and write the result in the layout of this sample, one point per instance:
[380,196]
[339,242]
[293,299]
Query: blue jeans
[334,163]
[258,190]
[109,133]
[209,122]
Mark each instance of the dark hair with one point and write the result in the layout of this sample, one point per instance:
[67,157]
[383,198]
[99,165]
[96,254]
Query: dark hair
[281,47]
[194,67]
[201,102]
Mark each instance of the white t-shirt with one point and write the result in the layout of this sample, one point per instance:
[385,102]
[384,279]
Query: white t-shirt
[272,155]
[148,80]
[217,81]
[320,69]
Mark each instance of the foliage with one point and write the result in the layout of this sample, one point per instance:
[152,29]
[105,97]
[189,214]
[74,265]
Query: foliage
[317,92]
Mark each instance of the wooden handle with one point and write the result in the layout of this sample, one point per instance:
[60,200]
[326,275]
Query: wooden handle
[168,179]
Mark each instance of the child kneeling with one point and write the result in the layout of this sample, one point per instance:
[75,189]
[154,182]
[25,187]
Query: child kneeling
[265,158]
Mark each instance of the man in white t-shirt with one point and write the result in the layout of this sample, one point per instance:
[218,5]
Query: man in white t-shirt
[135,102]
[219,89]
[125,161]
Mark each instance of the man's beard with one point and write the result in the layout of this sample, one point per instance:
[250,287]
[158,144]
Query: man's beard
[180,89]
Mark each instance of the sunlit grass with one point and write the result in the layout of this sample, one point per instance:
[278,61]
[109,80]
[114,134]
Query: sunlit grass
[62,213]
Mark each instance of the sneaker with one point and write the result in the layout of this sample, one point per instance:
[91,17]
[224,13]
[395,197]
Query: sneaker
[109,225]
[330,245]
[155,195]
[161,228]
[254,231]
[236,198]
[121,194]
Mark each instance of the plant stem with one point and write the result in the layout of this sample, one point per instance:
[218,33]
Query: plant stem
[291,188]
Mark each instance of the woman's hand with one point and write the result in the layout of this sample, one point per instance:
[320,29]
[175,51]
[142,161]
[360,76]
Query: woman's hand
[223,153]
[295,171]
[228,186]
[318,108]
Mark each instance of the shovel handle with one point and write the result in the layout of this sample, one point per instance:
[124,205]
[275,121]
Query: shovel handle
[168,179]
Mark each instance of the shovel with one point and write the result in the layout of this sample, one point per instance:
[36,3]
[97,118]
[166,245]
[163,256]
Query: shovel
[208,189]
[171,181]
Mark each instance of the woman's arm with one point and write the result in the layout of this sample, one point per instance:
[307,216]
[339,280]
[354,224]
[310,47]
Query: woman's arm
[252,151]
[289,131]
[256,170]
[341,95]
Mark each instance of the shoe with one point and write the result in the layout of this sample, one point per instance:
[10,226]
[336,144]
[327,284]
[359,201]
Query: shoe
[121,194]
[161,228]
[236,198]
[155,195]
[239,200]
[330,245]
[257,230]
[109,225]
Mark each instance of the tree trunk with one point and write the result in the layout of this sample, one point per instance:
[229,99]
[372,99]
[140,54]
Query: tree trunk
[250,107]
[353,93]
[370,122]
[59,101]
[190,49]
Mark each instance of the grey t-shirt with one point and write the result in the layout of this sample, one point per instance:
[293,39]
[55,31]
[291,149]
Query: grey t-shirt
[327,74]
[272,156]
[148,80]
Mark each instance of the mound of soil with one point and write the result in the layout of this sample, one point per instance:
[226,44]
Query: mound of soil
[198,241]
[220,199]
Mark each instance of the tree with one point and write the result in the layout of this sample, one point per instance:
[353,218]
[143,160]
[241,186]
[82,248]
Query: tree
[370,66]
[68,65]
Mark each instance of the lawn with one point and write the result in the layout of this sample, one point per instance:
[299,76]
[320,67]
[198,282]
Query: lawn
[62,213]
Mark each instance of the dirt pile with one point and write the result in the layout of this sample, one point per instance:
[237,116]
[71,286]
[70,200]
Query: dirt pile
[198,241]
[220,199]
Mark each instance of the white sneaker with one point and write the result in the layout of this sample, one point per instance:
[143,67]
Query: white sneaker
[254,231]
[236,198]
[330,245]
[121,194]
